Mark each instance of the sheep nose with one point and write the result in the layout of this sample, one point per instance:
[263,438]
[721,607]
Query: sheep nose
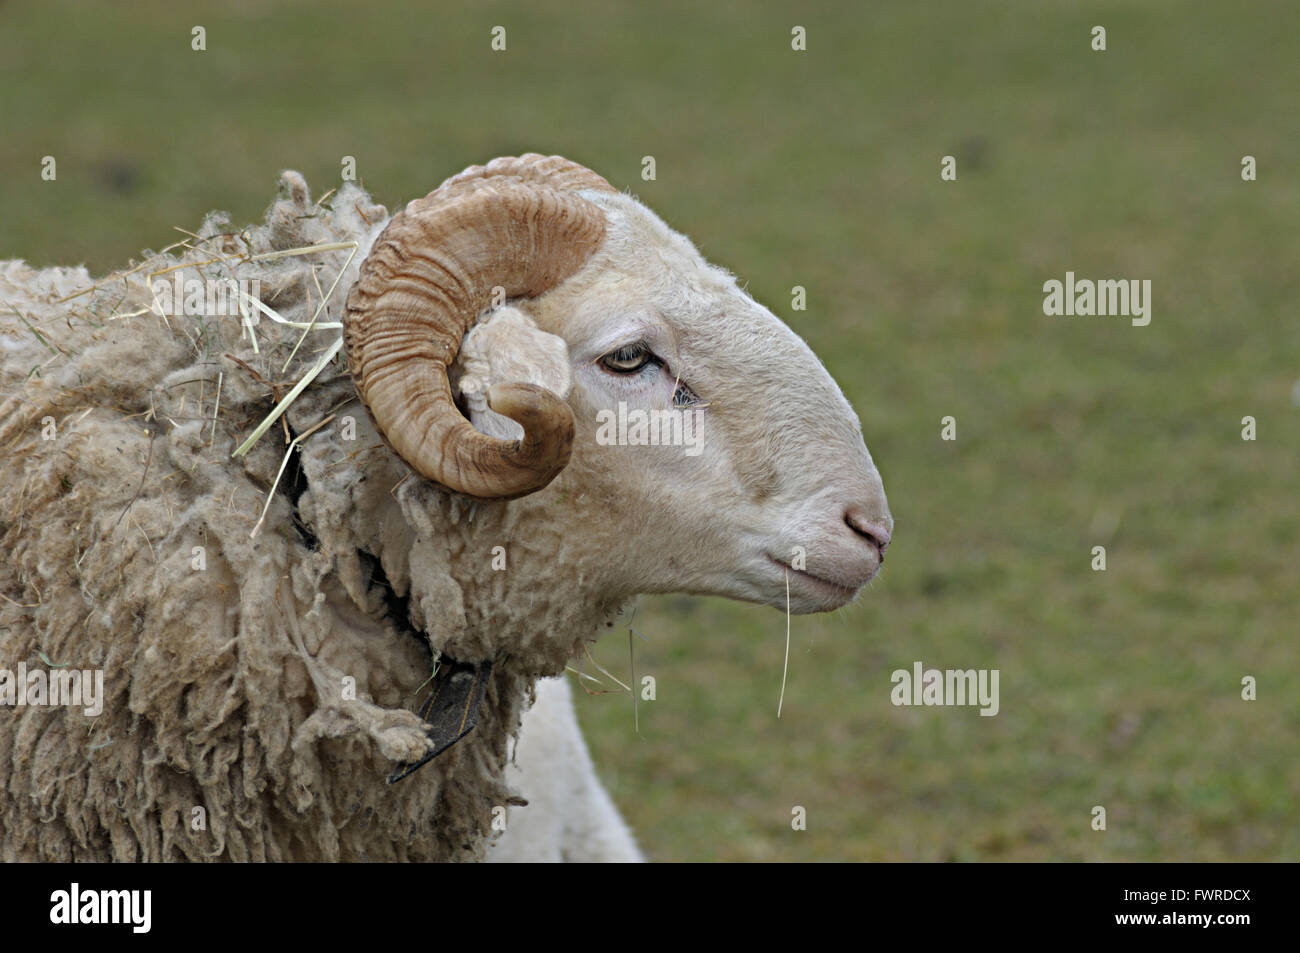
[876,531]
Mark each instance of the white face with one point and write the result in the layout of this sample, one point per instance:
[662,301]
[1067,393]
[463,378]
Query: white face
[761,474]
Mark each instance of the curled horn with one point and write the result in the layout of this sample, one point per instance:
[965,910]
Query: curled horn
[515,223]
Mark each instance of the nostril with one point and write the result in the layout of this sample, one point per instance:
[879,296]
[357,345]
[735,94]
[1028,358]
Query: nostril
[875,532]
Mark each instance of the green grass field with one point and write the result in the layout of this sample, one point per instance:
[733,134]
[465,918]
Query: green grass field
[821,168]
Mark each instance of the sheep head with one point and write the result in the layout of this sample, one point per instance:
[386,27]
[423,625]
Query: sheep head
[612,315]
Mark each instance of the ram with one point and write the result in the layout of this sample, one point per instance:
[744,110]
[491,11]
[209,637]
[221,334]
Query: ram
[311,546]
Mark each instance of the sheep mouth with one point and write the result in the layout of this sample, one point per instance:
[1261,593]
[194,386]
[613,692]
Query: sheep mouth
[814,581]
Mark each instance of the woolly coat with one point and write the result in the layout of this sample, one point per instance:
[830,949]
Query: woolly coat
[258,688]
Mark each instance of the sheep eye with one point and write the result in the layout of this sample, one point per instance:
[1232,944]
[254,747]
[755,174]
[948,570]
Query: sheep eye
[628,359]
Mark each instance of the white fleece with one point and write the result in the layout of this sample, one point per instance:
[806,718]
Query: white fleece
[570,816]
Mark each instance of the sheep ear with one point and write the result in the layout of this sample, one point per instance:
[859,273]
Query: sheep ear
[506,347]
[451,710]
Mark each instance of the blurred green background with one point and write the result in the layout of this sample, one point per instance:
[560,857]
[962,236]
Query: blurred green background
[821,168]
